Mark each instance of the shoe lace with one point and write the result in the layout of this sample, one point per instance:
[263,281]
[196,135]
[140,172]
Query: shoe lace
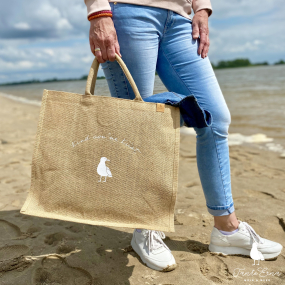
[253,234]
[154,239]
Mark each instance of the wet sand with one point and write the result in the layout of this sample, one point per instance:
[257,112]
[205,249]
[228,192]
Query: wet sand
[44,251]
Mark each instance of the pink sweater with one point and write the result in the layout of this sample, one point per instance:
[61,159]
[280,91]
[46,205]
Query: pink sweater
[182,7]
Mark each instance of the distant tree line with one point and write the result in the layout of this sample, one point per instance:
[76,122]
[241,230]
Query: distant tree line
[280,62]
[240,62]
[84,77]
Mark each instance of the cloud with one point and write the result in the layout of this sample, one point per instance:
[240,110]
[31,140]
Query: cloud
[62,61]
[22,26]
[223,9]
[41,39]
[247,29]
[49,38]
[42,19]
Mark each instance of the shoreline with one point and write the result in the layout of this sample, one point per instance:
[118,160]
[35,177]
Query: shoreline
[255,140]
[21,99]
[84,77]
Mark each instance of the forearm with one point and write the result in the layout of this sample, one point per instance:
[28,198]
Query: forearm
[198,5]
[96,5]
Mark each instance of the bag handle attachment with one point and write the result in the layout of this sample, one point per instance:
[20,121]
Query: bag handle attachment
[92,76]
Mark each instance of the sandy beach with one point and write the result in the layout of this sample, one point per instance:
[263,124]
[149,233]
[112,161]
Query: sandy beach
[44,251]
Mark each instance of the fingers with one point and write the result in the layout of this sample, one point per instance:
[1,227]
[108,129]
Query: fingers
[109,44]
[103,35]
[117,46]
[108,50]
[104,43]
[204,42]
[111,53]
[98,55]
[195,30]
[200,28]
[206,48]
[92,46]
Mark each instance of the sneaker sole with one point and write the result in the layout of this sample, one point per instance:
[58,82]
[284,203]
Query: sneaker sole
[166,269]
[238,250]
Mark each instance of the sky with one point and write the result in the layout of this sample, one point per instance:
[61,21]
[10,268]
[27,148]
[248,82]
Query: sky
[49,38]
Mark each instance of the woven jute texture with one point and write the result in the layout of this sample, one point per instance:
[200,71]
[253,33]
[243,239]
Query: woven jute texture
[105,161]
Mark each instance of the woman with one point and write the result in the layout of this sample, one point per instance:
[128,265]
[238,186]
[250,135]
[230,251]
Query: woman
[158,35]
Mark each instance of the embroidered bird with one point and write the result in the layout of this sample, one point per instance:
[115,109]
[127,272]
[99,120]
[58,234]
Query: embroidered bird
[103,170]
[255,253]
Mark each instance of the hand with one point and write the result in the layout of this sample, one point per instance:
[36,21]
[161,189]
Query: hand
[103,35]
[200,28]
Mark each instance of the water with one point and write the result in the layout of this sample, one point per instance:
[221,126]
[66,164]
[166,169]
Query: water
[254,95]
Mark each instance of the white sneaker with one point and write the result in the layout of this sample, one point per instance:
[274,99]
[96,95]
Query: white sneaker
[241,242]
[153,252]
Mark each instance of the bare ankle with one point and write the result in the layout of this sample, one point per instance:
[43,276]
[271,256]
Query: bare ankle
[228,227]
[226,223]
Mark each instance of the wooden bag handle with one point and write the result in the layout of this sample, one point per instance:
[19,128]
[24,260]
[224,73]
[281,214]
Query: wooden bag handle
[92,76]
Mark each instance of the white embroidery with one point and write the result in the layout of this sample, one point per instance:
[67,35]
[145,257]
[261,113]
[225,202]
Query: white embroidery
[103,170]
[76,143]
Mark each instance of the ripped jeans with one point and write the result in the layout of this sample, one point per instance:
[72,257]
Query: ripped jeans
[156,39]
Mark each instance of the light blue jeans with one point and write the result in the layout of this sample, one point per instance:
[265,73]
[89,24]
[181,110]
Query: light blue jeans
[155,39]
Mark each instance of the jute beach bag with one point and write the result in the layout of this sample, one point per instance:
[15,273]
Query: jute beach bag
[102,160]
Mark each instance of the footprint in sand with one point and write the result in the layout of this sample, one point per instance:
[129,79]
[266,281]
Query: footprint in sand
[177,243]
[197,247]
[65,242]
[55,239]
[215,270]
[75,228]
[11,258]
[8,230]
[33,231]
[56,270]
[12,251]
[65,248]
